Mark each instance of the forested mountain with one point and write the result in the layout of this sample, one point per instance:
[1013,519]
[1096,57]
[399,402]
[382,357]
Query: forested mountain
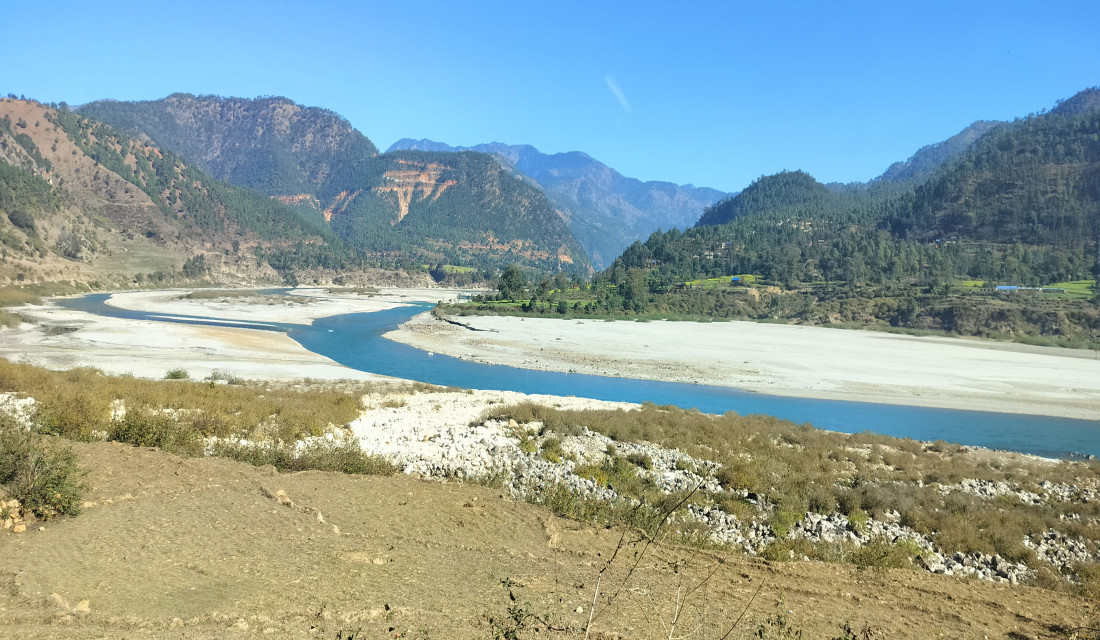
[81,200]
[929,158]
[606,210]
[1020,206]
[268,144]
[1035,182]
[1032,185]
[795,193]
[395,207]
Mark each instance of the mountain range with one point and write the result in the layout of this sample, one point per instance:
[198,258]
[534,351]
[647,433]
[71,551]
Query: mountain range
[266,186]
[85,202]
[398,208]
[606,210]
[1018,205]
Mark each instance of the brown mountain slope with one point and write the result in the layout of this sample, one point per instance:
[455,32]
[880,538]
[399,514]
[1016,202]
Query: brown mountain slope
[91,203]
[426,207]
[173,547]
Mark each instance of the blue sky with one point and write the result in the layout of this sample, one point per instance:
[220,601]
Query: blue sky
[714,94]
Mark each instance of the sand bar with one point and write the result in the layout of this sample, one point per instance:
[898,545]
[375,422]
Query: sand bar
[811,362]
[63,339]
[302,306]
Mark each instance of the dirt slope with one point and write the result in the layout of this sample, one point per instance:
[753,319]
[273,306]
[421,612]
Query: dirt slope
[187,548]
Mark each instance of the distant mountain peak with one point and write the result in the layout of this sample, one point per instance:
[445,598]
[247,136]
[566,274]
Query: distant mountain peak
[418,205]
[606,210]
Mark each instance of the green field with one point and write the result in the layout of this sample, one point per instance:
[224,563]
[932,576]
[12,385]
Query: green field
[723,281]
[1077,288]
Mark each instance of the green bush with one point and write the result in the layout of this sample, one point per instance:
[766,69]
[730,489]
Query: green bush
[551,450]
[21,219]
[640,460]
[882,554]
[40,472]
[10,320]
[145,428]
[177,374]
[76,417]
[343,457]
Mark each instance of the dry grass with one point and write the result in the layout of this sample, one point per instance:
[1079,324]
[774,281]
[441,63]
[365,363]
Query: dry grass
[17,297]
[797,469]
[78,403]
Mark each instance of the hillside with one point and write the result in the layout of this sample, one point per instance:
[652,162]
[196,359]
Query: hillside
[929,158]
[268,509]
[796,193]
[411,208]
[606,210]
[1030,183]
[268,144]
[83,201]
[1020,206]
[1035,182]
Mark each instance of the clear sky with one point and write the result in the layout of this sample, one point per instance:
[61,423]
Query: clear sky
[711,93]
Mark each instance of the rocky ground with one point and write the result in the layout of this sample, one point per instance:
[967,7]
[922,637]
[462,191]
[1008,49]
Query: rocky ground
[440,435]
[185,548]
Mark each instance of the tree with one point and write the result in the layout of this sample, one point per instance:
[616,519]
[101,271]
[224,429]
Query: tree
[513,283]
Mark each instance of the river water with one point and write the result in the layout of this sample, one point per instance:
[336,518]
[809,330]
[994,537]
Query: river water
[356,341]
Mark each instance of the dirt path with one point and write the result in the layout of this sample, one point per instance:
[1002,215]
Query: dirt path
[174,547]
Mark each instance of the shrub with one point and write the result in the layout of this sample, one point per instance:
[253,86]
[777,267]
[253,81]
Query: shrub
[41,473]
[10,320]
[145,428]
[218,375]
[340,456]
[551,450]
[14,296]
[177,374]
[76,417]
[820,500]
[881,554]
[640,460]
[21,219]
[527,444]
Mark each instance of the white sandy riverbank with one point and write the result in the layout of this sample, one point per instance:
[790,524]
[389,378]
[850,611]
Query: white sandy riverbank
[63,339]
[302,306]
[813,362]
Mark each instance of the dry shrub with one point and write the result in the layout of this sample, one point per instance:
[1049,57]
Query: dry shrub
[40,472]
[75,403]
[798,468]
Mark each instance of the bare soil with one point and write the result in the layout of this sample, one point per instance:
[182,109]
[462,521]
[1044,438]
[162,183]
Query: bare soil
[173,547]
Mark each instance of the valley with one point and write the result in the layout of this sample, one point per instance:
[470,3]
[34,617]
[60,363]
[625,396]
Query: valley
[260,377]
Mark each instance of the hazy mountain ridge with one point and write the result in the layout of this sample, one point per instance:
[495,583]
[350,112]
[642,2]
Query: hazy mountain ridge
[606,210]
[387,207]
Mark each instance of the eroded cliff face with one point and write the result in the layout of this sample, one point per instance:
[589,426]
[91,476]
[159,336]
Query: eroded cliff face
[440,207]
[413,181]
